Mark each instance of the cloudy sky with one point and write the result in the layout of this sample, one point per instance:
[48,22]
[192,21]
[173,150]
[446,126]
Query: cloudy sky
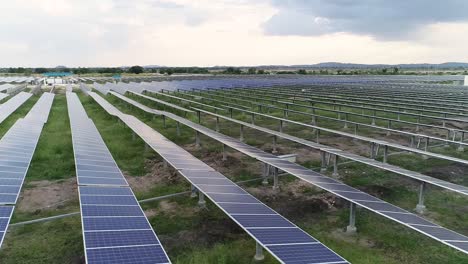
[231,32]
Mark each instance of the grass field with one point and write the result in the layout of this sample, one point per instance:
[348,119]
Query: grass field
[193,235]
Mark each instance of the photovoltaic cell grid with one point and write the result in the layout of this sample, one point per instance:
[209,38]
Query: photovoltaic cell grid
[287,242]
[349,193]
[7,108]
[16,151]
[385,166]
[115,229]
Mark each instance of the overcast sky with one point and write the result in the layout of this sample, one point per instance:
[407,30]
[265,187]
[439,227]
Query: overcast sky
[231,32]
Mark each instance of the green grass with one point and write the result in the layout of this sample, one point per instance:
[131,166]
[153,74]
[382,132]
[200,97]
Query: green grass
[53,158]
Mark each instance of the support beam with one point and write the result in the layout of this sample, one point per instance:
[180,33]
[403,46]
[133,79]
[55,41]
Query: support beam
[217,124]
[259,253]
[275,179]
[164,121]
[385,154]
[460,147]
[178,129]
[224,153]
[323,160]
[420,207]
[351,228]
[281,126]
[241,137]
[193,191]
[335,166]
[201,200]
[265,173]
[275,139]
[197,139]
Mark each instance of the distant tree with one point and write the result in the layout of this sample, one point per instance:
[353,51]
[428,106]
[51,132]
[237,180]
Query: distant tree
[395,70]
[232,70]
[302,71]
[136,69]
[40,70]
[384,71]
[252,71]
[261,71]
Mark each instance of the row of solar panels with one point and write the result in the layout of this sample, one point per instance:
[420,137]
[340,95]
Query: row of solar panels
[453,239]
[284,240]
[115,228]
[15,79]
[17,147]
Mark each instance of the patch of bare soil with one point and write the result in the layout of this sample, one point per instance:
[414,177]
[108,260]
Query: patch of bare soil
[339,234]
[295,200]
[158,174]
[453,173]
[171,208]
[347,144]
[210,232]
[47,195]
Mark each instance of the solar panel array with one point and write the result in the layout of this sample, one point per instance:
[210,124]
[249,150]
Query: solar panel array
[16,151]
[16,79]
[7,108]
[283,239]
[115,228]
[446,236]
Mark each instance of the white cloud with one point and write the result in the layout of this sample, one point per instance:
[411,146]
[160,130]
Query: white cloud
[203,32]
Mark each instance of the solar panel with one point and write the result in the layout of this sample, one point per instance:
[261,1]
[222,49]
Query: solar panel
[115,228]
[239,205]
[334,186]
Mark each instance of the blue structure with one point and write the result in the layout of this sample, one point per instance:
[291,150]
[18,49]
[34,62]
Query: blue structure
[57,74]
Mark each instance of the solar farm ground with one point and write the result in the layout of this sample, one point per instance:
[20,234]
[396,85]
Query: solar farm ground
[194,235]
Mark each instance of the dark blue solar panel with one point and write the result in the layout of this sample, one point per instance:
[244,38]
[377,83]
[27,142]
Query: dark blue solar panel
[270,236]
[220,181]
[123,255]
[101,181]
[247,208]
[13,169]
[97,168]
[86,190]
[119,238]
[9,189]
[114,223]
[409,218]
[10,181]
[11,175]
[233,198]
[5,211]
[109,210]
[262,221]
[4,223]
[95,162]
[7,198]
[306,254]
[442,233]
[221,189]
[4,162]
[103,174]
[108,200]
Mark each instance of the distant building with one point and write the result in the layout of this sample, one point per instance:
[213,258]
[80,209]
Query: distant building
[52,78]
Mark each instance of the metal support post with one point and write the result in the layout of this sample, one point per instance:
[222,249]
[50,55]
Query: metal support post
[265,173]
[281,126]
[197,139]
[275,179]
[217,124]
[372,150]
[460,147]
[351,228]
[241,137]
[335,166]
[385,154]
[178,128]
[164,121]
[224,153]
[420,207]
[275,139]
[259,252]
[323,159]
[193,191]
[201,199]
